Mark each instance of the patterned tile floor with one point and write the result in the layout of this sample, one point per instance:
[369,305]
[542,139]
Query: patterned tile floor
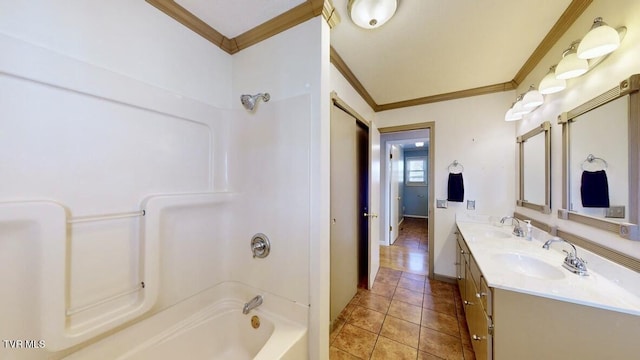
[404,315]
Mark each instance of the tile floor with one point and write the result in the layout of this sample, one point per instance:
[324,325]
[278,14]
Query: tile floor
[404,315]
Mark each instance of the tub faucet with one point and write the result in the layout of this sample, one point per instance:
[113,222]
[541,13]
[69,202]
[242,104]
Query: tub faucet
[517,229]
[252,304]
[571,262]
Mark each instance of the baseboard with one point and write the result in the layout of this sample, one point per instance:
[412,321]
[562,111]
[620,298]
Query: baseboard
[415,216]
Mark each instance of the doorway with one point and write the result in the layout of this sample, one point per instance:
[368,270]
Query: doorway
[362,161]
[407,178]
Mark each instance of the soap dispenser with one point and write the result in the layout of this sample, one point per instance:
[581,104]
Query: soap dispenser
[529,230]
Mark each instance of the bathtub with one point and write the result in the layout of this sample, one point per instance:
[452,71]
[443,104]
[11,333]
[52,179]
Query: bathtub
[211,325]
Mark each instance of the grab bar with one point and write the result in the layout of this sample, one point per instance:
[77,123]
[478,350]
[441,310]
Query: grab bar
[76,310]
[81,219]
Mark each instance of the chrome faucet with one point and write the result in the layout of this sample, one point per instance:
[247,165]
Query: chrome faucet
[571,262]
[252,304]
[517,229]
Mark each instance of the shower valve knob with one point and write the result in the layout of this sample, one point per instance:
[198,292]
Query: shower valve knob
[260,246]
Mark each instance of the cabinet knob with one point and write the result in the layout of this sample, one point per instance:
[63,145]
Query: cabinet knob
[476,337]
[479,295]
[468,303]
[461,251]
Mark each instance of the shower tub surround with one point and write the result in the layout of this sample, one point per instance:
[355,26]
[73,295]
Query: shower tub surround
[121,201]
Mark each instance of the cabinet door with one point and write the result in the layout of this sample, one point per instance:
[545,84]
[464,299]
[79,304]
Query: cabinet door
[478,322]
[481,338]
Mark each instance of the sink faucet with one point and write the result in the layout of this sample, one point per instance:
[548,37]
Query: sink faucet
[252,304]
[517,229]
[571,262]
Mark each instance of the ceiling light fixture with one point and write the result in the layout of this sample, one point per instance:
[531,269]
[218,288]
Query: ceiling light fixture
[519,108]
[532,98]
[551,85]
[370,14]
[601,40]
[510,116]
[571,65]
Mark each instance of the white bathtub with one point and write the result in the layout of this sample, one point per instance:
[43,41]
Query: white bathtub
[211,325]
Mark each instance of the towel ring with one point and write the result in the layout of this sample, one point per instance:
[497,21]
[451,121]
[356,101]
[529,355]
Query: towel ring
[591,159]
[454,165]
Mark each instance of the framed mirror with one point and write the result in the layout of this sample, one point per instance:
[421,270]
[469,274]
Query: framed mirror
[600,161]
[535,169]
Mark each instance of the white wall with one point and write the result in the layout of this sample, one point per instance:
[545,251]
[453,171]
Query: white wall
[618,66]
[472,131]
[131,38]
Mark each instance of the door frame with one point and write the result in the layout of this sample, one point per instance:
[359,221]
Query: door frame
[431,126]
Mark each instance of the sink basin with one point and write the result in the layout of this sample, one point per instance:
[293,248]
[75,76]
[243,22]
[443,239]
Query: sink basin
[497,234]
[529,266]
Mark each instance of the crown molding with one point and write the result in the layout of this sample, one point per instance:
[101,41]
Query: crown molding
[312,8]
[568,17]
[483,90]
[342,67]
[297,15]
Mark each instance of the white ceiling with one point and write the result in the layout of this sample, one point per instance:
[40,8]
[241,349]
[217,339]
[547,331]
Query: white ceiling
[429,47]
[433,47]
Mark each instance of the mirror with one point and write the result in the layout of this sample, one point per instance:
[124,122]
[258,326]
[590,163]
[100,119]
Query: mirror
[535,169]
[600,161]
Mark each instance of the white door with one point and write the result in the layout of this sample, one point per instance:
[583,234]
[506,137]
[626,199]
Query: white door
[344,211]
[396,171]
[374,202]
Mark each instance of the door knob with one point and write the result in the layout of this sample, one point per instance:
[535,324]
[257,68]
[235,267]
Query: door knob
[371,215]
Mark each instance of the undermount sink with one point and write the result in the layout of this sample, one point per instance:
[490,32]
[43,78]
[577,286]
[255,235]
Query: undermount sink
[529,266]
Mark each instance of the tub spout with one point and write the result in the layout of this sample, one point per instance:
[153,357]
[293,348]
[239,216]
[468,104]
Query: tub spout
[252,304]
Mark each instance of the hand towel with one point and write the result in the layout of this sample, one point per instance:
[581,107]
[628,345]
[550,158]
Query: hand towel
[455,190]
[594,189]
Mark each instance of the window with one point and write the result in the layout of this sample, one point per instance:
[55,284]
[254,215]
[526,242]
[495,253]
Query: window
[416,171]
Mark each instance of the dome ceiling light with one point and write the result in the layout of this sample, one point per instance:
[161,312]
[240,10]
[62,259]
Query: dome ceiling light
[370,14]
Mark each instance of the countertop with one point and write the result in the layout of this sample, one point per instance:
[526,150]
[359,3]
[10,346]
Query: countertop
[609,285]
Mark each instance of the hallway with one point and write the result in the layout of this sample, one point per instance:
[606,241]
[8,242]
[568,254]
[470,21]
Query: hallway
[410,251]
[404,315]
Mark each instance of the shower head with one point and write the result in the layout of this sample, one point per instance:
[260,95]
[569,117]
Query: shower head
[249,101]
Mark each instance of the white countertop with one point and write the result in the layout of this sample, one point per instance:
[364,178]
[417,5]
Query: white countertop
[608,286]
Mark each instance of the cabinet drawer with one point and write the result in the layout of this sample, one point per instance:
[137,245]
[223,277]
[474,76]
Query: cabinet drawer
[464,250]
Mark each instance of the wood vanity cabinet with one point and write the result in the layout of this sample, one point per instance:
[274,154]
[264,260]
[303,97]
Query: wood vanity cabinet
[476,297]
[506,325]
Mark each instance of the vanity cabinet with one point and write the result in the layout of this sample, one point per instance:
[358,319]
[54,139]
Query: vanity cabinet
[507,324]
[476,297]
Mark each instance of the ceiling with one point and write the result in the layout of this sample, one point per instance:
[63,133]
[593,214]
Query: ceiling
[431,50]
